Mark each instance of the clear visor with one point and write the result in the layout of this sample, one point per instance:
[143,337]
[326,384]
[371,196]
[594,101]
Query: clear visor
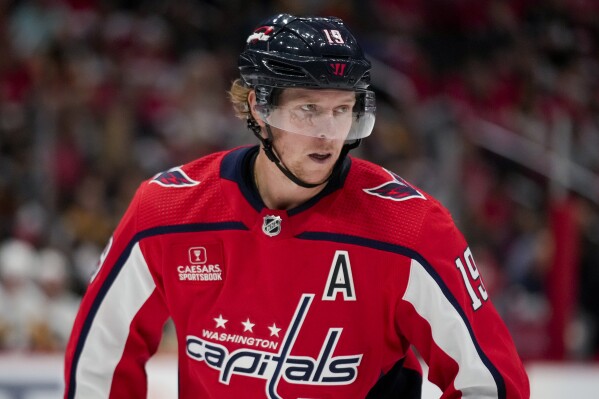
[330,114]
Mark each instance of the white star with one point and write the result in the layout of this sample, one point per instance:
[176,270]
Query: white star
[248,325]
[220,322]
[274,330]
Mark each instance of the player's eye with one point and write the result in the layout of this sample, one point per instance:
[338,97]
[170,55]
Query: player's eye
[308,107]
[342,109]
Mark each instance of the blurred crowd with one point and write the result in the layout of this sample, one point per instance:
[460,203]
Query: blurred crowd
[96,96]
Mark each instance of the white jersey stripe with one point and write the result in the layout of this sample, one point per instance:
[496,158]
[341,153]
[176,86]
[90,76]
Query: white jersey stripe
[108,334]
[473,379]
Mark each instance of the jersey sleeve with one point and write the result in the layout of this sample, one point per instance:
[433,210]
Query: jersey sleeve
[120,320]
[446,313]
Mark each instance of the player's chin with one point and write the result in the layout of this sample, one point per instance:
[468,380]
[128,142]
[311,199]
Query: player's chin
[319,176]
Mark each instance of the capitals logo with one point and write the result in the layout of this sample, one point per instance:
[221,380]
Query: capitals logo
[261,34]
[174,177]
[329,368]
[396,190]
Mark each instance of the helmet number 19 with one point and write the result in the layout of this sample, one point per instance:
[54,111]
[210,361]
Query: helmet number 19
[333,36]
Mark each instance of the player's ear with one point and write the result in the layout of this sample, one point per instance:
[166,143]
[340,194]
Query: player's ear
[252,104]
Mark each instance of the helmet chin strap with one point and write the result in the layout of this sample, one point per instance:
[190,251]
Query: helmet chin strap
[267,145]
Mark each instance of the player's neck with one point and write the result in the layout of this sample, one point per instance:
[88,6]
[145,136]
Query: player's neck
[275,189]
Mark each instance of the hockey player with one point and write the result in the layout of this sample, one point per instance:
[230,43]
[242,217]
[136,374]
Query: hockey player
[290,269]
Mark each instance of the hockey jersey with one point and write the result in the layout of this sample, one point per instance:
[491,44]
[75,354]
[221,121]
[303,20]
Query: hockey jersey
[318,301]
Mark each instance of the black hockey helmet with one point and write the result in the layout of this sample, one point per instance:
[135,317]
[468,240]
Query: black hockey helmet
[289,51]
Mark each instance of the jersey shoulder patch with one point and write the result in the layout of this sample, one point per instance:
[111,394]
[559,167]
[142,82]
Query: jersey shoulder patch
[190,193]
[396,189]
[174,177]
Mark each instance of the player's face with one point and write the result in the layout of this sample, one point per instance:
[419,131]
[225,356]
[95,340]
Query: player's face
[311,130]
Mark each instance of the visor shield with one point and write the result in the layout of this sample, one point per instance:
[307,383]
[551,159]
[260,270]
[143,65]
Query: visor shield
[319,117]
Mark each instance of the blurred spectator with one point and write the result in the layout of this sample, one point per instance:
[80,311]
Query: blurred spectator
[87,217]
[20,299]
[59,306]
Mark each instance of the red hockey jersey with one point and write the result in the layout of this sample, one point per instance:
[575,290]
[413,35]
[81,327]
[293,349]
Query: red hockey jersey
[313,302]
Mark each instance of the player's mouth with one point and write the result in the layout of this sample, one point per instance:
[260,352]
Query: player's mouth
[320,157]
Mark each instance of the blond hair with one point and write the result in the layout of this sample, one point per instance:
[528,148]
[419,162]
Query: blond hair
[238,94]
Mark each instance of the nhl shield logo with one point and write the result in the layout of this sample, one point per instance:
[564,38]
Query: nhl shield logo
[271,225]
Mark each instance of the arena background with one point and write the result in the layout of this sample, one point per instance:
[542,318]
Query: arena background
[490,105]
